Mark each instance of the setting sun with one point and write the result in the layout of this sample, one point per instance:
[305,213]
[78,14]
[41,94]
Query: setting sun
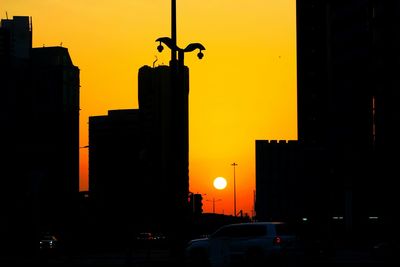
[220,183]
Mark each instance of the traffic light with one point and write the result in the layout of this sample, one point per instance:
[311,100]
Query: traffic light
[197,204]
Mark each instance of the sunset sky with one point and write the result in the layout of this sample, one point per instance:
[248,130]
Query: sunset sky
[244,89]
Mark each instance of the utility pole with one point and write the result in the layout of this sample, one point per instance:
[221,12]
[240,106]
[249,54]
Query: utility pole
[234,189]
[213,201]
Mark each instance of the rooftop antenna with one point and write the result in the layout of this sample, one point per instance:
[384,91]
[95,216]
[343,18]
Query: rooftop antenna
[154,62]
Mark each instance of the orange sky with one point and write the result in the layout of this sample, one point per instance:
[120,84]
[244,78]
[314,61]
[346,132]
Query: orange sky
[243,89]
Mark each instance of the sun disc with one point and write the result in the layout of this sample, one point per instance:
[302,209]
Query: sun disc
[220,183]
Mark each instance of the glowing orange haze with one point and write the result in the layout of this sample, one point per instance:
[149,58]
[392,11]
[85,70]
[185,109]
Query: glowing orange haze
[243,89]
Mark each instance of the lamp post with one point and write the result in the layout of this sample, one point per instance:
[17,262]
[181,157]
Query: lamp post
[179,138]
[234,189]
[177,135]
[173,46]
[172,42]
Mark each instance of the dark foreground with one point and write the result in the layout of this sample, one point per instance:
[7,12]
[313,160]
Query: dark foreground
[163,257]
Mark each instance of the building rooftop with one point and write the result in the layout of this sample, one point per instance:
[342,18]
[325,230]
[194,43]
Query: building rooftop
[51,56]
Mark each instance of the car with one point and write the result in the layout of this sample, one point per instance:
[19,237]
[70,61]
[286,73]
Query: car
[249,243]
[144,236]
[150,240]
[388,249]
[48,242]
[49,245]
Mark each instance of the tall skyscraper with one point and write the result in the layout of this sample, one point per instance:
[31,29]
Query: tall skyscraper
[52,121]
[118,192]
[346,63]
[15,38]
[138,158]
[164,110]
[346,101]
[39,121]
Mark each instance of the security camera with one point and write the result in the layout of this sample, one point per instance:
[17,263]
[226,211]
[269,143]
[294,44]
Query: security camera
[200,55]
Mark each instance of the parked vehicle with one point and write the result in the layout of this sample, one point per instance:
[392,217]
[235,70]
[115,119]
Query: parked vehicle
[49,246]
[150,240]
[48,241]
[249,243]
[389,249]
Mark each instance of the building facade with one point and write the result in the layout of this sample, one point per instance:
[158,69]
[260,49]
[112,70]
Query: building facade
[164,110]
[117,191]
[346,64]
[39,122]
[138,159]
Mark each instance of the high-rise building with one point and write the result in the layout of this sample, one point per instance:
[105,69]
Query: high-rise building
[346,101]
[15,38]
[277,165]
[163,104]
[138,158]
[346,63]
[52,131]
[164,111]
[39,121]
[118,192]
[335,99]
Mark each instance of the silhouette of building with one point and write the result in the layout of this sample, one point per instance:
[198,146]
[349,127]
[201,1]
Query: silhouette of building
[116,189]
[15,201]
[138,159]
[54,135]
[346,63]
[40,132]
[15,39]
[277,165]
[164,110]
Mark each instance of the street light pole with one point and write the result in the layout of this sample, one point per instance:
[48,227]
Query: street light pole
[173,30]
[234,189]
[179,98]
[177,136]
